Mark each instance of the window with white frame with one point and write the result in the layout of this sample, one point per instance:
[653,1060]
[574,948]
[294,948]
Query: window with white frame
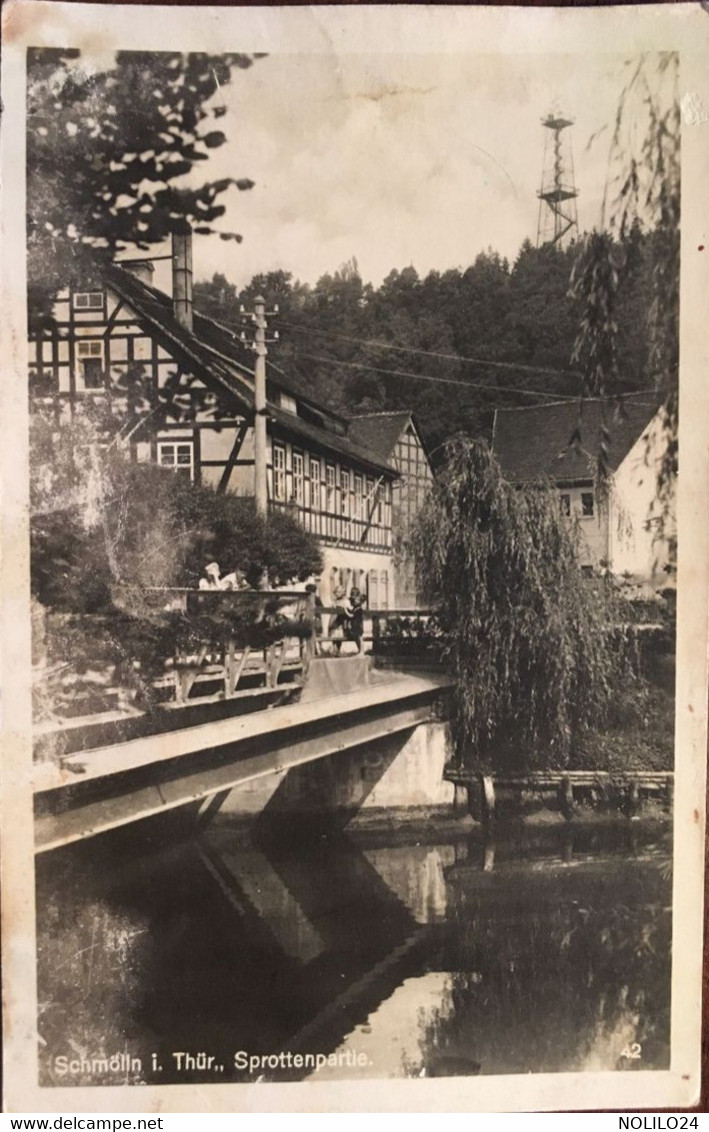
[90,357]
[330,488]
[565,503]
[345,485]
[384,590]
[314,484]
[358,498]
[279,472]
[587,504]
[298,477]
[178,455]
[373,589]
[88,300]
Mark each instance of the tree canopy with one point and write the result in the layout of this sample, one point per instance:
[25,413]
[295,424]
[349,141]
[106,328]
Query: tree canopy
[407,344]
[109,153]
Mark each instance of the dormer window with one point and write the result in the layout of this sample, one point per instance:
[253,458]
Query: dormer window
[288,403]
[90,355]
[88,300]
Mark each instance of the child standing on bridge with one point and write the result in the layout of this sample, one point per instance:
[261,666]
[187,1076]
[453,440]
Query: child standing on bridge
[354,627]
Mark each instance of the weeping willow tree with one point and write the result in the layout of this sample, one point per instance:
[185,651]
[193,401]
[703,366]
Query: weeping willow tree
[534,644]
[642,195]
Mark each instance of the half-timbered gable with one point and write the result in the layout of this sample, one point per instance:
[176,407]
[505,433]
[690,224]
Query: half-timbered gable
[396,438]
[184,386]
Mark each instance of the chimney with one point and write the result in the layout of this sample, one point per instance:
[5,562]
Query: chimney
[182,277]
[142,268]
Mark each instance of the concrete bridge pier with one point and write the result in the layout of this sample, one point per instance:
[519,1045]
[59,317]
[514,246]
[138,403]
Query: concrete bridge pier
[401,773]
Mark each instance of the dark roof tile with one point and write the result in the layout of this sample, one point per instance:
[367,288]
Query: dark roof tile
[534,443]
[379,431]
[221,362]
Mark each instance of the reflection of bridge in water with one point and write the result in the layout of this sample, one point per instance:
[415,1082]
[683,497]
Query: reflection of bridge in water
[435,956]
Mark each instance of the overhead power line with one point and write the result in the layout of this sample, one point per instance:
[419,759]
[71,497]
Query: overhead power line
[442,380]
[519,366]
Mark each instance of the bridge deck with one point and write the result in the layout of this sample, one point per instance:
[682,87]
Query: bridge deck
[86,793]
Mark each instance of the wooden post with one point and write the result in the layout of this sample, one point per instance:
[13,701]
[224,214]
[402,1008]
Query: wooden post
[489,798]
[233,671]
[475,800]
[633,802]
[566,797]
[187,678]
[460,800]
[260,481]
[229,662]
[670,793]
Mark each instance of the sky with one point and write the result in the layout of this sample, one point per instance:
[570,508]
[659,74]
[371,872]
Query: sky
[421,160]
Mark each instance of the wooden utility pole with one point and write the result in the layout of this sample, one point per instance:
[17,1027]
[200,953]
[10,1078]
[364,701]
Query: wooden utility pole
[260,481]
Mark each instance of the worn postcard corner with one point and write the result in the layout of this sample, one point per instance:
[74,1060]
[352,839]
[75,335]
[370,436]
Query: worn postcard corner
[355,557]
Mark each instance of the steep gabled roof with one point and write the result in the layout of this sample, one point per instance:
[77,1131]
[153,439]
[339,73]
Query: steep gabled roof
[379,431]
[222,363]
[536,442]
[221,373]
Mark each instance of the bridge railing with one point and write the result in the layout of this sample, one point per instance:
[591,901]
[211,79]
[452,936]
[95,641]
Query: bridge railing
[230,626]
[169,647]
[414,633]
[169,642]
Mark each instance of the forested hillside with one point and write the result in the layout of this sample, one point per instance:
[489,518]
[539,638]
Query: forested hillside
[434,335]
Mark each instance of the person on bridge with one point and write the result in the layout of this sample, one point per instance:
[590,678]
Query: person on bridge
[339,620]
[214,580]
[354,626]
[211,581]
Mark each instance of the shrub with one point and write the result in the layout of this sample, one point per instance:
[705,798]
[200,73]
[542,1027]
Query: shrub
[101,525]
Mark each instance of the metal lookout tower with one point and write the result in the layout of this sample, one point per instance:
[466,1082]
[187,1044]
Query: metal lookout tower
[557,196]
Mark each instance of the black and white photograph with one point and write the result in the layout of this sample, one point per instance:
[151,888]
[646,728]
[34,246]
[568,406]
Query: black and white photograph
[355,556]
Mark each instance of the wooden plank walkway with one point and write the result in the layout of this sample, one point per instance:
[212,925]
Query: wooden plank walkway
[569,786]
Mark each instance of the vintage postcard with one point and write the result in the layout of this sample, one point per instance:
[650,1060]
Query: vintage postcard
[355,556]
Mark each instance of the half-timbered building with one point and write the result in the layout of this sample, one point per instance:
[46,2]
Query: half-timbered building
[115,333]
[396,438]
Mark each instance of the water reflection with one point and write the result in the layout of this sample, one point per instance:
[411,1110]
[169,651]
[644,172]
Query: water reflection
[354,956]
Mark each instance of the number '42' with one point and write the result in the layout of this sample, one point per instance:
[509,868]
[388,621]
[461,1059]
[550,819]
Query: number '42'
[632,1051]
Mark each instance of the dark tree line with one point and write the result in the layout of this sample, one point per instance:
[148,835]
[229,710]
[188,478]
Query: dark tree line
[523,314]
